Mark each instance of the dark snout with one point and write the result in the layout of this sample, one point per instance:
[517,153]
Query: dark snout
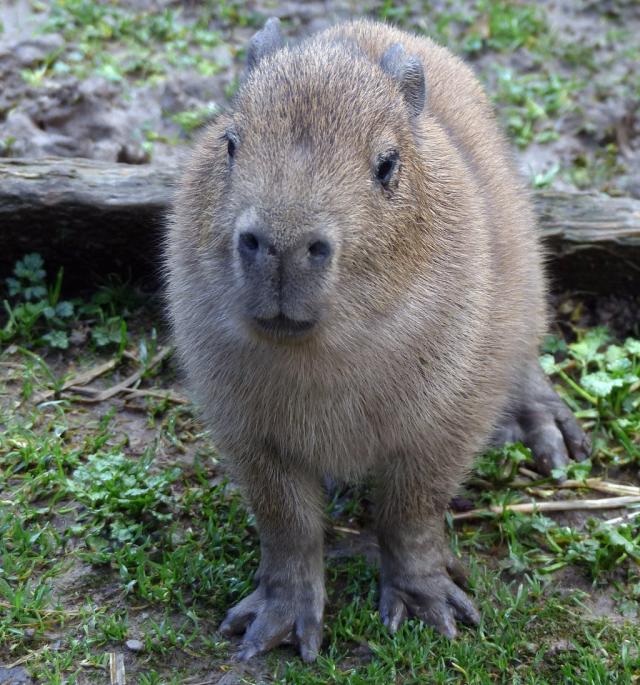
[285,278]
[259,253]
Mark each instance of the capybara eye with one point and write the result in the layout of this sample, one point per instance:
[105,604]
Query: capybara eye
[385,167]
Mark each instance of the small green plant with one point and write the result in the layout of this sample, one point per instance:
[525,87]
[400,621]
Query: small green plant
[191,120]
[545,178]
[235,12]
[500,466]
[602,381]
[597,169]
[122,43]
[124,498]
[504,26]
[528,103]
[35,311]
[394,11]
[6,146]
[37,316]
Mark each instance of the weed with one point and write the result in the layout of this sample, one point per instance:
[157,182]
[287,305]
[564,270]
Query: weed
[595,170]
[33,303]
[545,178]
[95,28]
[504,26]
[123,499]
[397,12]
[529,102]
[37,316]
[191,120]
[602,382]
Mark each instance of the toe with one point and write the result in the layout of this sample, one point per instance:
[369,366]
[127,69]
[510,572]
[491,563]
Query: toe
[464,609]
[439,616]
[309,634]
[457,571]
[246,653]
[545,441]
[268,630]
[239,617]
[577,442]
[393,611]
[507,431]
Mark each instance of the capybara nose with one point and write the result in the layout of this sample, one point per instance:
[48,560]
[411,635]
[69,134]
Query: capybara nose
[260,253]
[253,247]
[319,251]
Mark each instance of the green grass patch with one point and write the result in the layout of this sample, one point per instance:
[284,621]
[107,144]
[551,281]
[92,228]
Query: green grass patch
[530,103]
[101,542]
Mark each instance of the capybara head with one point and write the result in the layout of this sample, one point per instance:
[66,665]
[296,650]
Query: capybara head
[304,195]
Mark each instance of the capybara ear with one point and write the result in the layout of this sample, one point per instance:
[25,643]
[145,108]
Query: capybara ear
[267,40]
[408,71]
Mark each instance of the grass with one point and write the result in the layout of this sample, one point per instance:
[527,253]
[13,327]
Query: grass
[107,537]
[530,104]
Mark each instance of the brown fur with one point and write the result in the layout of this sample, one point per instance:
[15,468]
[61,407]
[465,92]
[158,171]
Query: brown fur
[434,300]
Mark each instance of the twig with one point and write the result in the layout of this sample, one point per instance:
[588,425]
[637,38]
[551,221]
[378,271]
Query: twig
[596,484]
[602,486]
[160,394]
[593,483]
[80,379]
[530,474]
[102,395]
[568,505]
[12,365]
[116,669]
[349,531]
[622,519]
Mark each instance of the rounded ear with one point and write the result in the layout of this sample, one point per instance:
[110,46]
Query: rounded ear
[267,40]
[408,71]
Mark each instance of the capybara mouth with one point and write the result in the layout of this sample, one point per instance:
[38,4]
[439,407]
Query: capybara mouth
[283,327]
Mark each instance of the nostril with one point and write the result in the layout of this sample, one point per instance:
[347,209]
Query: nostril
[319,251]
[248,242]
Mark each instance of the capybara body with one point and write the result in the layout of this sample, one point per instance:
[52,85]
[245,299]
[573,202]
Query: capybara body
[356,289]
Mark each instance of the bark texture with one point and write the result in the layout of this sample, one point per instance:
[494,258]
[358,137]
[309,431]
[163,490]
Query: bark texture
[94,218]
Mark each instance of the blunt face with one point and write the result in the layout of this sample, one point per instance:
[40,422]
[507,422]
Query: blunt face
[306,187]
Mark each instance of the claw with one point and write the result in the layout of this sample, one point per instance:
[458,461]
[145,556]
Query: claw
[465,610]
[434,599]
[246,652]
[308,631]
[441,618]
[394,612]
[238,618]
[268,620]
[458,572]
[543,422]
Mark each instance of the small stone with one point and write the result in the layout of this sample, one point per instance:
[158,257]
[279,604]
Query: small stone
[36,50]
[560,646]
[14,676]
[135,645]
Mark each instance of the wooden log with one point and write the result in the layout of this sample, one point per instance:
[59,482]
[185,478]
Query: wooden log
[593,240]
[94,218]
